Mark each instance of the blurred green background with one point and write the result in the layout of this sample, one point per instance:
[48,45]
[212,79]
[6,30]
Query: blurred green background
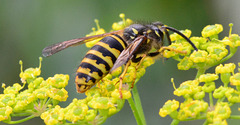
[27,26]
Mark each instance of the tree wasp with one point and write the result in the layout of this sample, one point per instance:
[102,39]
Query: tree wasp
[115,49]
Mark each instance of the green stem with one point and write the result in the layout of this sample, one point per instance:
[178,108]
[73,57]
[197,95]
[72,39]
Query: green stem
[200,72]
[21,114]
[200,117]
[22,120]
[102,119]
[221,100]
[175,122]
[135,111]
[234,117]
[210,99]
[138,104]
[205,123]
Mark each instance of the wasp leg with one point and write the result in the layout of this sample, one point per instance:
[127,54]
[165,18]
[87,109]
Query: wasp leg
[171,49]
[168,37]
[121,78]
[135,59]
[153,54]
[98,83]
[139,60]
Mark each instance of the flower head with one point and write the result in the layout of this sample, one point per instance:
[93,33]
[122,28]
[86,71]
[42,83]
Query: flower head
[232,95]
[188,88]
[199,56]
[185,64]
[219,92]
[77,110]
[24,101]
[212,30]
[53,116]
[233,40]
[227,68]
[58,94]
[235,79]
[13,89]
[122,24]
[208,77]
[58,81]
[176,36]
[191,109]
[5,113]
[7,100]
[169,107]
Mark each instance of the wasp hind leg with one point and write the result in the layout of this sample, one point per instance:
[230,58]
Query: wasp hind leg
[138,60]
[122,77]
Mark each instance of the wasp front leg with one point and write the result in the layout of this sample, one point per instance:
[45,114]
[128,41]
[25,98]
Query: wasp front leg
[171,49]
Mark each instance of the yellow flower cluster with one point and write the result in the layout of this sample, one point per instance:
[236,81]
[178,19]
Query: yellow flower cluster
[212,51]
[40,93]
[194,105]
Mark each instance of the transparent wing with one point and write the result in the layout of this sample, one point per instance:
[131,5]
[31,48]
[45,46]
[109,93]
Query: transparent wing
[127,53]
[52,49]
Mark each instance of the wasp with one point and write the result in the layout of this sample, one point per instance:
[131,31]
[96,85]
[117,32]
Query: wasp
[115,49]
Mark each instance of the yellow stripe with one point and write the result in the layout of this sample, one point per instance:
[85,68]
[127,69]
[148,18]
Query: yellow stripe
[100,66]
[87,71]
[107,59]
[119,40]
[114,51]
[82,81]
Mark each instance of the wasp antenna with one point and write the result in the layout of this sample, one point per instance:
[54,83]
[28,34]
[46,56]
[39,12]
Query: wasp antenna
[181,34]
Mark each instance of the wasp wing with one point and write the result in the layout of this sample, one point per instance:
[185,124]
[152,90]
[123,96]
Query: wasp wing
[128,53]
[52,49]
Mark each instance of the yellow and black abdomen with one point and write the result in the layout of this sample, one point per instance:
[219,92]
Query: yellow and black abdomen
[98,61]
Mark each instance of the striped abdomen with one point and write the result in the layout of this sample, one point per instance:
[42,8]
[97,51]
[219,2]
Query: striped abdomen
[98,61]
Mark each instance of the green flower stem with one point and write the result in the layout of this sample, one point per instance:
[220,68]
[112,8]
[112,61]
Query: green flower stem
[21,114]
[235,117]
[135,111]
[138,104]
[200,72]
[197,118]
[221,100]
[175,122]
[102,119]
[20,121]
[210,99]
[214,37]
[205,123]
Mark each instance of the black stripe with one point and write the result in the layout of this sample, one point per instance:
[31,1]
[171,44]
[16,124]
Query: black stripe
[91,67]
[87,77]
[99,60]
[113,43]
[121,39]
[104,51]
